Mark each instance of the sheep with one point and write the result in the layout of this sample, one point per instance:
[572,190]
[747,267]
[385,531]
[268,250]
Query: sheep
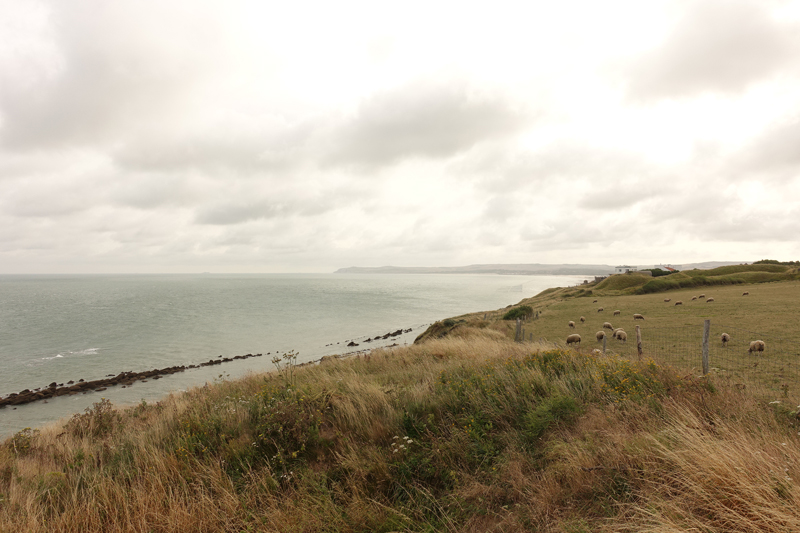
[725,338]
[621,336]
[667,299]
[756,346]
[583,320]
[607,325]
[702,296]
[637,316]
[600,335]
[694,298]
[594,301]
[679,302]
[572,324]
[616,312]
[710,300]
[599,309]
[574,339]
[746,293]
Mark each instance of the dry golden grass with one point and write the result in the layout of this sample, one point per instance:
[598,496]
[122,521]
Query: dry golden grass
[468,433]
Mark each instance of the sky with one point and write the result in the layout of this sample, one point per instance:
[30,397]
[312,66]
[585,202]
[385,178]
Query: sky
[256,136]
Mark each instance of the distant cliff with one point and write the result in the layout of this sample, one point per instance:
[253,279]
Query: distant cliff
[523,269]
[565,269]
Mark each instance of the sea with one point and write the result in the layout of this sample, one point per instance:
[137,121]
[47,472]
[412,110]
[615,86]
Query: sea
[57,328]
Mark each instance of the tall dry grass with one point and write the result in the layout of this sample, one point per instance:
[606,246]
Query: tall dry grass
[466,433]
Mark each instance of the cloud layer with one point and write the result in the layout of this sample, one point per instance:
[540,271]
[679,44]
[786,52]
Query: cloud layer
[248,137]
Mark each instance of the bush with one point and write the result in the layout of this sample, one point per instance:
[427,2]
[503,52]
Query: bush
[518,312]
[96,421]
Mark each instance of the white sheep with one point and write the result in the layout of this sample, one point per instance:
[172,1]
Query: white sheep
[694,298]
[756,346]
[594,301]
[637,316]
[679,302]
[667,299]
[583,320]
[621,336]
[702,296]
[617,312]
[746,293]
[607,325]
[710,300]
[574,339]
[572,324]
[725,338]
[599,309]
[600,335]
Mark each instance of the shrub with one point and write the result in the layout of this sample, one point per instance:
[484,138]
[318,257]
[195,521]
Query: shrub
[518,312]
[96,421]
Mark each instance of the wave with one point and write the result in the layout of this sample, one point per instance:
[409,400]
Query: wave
[60,355]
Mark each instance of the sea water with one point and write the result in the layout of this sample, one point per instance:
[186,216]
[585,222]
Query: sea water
[67,327]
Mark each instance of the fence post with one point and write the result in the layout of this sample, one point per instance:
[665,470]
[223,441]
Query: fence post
[517,332]
[604,343]
[639,342]
[706,334]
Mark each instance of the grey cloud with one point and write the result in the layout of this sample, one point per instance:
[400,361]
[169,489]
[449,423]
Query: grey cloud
[776,151]
[251,148]
[431,121]
[228,213]
[716,46]
[107,80]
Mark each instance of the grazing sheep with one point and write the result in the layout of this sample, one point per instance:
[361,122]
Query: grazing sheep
[637,316]
[599,309]
[616,312]
[679,302]
[710,300]
[583,320]
[702,296]
[725,338]
[756,346]
[574,339]
[572,324]
[746,293]
[607,325]
[594,301]
[600,335]
[667,299]
[694,298]
[621,336]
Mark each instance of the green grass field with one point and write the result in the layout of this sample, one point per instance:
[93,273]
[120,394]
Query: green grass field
[673,333]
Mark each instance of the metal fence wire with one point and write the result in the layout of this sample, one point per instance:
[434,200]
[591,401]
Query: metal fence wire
[772,373]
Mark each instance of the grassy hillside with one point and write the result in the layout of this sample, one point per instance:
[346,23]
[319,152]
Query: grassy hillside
[465,430]
[637,283]
[467,433]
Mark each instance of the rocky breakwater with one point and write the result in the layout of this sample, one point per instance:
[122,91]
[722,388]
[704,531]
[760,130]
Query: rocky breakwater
[124,379]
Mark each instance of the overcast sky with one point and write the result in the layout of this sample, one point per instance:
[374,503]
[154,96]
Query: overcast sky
[236,136]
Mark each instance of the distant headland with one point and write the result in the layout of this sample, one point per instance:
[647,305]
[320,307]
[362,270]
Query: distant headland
[539,269]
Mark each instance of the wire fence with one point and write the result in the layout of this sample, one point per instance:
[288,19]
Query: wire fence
[772,372]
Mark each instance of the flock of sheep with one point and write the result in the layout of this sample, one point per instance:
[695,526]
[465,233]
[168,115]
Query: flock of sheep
[620,335]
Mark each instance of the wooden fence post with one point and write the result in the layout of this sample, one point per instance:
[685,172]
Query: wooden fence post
[706,334]
[639,342]
[517,332]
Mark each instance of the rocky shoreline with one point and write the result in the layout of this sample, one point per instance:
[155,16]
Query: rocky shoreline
[125,379]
